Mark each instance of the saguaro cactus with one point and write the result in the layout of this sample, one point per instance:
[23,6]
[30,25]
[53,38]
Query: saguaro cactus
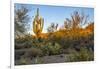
[38,23]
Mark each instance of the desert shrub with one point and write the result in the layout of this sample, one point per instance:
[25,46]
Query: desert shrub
[51,49]
[83,55]
[56,49]
[61,39]
[33,52]
[18,54]
[23,61]
[26,44]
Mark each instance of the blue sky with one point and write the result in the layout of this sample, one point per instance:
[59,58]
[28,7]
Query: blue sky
[56,14]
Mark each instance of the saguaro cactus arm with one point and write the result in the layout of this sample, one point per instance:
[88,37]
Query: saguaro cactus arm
[41,23]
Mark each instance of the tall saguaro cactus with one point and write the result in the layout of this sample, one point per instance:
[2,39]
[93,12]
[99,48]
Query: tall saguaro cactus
[38,24]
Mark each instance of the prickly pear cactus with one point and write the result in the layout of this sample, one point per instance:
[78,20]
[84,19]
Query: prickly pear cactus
[38,24]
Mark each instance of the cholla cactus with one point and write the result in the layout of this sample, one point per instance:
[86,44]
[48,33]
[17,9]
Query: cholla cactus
[38,23]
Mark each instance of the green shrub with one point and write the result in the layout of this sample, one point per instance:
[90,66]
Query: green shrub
[24,61]
[51,49]
[83,55]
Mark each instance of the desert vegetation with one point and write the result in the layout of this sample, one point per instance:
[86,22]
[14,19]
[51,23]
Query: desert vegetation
[71,43]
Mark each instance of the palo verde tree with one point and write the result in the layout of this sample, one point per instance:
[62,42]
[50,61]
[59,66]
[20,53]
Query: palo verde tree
[21,20]
[52,28]
[77,20]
